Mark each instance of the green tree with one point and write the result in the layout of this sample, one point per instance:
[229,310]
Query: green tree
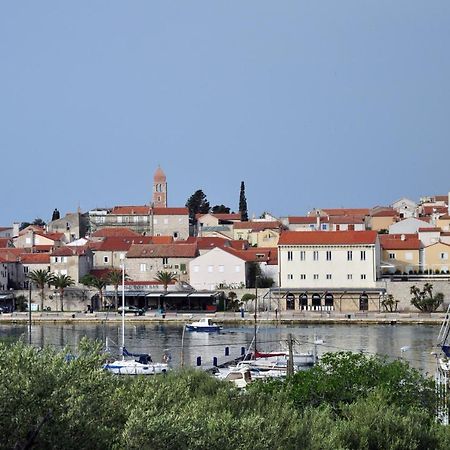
[389,303]
[114,278]
[220,209]
[243,204]
[61,282]
[98,283]
[41,277]
[165,278]
[197,203]
[424,300]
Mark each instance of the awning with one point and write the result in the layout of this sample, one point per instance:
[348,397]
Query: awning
[155,294]
[202,294]
[177,294]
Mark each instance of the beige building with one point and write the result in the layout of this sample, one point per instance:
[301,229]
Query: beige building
[381,220]
[400,253]
[144,261]
[260,234]
[143,220]
[72,225]
[74,262]
[436,257]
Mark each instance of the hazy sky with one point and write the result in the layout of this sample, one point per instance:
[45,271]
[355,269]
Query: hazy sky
[311,103]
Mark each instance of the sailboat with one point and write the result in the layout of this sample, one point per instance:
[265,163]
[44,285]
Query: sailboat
[134,363]
[442,376]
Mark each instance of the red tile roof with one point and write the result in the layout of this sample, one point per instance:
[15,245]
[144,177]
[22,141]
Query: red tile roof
[327,237]
[35,258]
[444,217]
[428,210]
[147,210]
[385,213]
[117,244]
[303,220]
[162,251]
[346,219]
[10,254]
[115,232]
[5,242]
[267,255]
[43,248]
[347,211]
[5,228]
[257,226]
[400,242]
[432,230]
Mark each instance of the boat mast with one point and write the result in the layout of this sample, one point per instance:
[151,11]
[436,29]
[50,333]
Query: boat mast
[122,258]
[256,315]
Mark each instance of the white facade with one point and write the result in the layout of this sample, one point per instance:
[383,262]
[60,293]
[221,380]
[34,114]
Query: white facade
[405,207]
[329,266]
[408,226]
[215,268]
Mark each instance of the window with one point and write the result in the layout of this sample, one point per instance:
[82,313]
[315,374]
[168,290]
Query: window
[444,255]
[155,221]
[27,240]
[105,259]
[64,259]
[408,256]
[363,276]
[315,255]
[119,219]
[328,255]
[349,276]
[290,276]
[349,255]
[25,269]
[210,269]
[166,221]
[302,255]
[363,255]
[316,276]
[143,267]
[136,219]
[302,276]
[221,269]
[289,255]
[165,260]
[237,269]
[196,268]
[324,226]
[391,255]
[328,276]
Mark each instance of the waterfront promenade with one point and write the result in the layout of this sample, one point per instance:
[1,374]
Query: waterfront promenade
[285,317]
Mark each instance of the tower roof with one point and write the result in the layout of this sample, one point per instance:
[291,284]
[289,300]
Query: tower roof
[159,176]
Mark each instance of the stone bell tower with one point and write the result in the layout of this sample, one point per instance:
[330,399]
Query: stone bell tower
[159,198]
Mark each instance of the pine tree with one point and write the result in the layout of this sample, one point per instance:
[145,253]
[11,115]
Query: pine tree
[197,203]
[243,204]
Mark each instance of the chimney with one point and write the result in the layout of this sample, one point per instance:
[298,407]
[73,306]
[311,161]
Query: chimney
[16,226]
[317,220]
[403,237]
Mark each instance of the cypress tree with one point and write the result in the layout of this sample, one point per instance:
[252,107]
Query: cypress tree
[243,204]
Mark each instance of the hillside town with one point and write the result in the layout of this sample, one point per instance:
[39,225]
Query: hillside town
[328,259]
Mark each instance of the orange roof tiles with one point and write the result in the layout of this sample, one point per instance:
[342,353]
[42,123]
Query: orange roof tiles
[303,220]
[5,242]
[400,242]
[35,258]
[70,251]
[327,237]
[429,230]
[346,211]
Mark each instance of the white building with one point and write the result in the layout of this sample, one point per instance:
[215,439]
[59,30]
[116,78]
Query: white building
[408,226]
[329,259]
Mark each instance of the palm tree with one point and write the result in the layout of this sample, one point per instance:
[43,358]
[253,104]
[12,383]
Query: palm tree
[40,278]
[165,278]
[61,282]
[95,282]
[115,278]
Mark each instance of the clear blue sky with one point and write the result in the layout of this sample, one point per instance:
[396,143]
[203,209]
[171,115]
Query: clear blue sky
[311,103]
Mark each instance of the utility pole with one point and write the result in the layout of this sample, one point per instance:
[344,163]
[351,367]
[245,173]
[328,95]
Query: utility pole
[290,363]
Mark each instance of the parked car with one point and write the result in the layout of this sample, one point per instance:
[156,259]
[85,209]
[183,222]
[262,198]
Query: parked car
[132,310]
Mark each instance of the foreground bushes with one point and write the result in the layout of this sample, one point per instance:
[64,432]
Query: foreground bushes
[78,405]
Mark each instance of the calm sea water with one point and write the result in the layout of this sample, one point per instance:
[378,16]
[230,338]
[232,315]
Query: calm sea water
[413,343]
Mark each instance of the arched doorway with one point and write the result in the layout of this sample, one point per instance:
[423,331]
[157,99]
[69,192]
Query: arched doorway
[363,302]
[329,302]
[290,301]
[303,300]
[316,302]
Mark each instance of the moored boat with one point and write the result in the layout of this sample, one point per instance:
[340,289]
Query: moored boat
[203,324]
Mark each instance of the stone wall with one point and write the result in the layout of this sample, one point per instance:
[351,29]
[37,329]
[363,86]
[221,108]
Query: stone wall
[401,292]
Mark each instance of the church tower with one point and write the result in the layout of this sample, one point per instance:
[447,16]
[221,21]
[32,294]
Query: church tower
[159,198]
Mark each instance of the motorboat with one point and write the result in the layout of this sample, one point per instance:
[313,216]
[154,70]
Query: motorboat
[136,364]
[203,324]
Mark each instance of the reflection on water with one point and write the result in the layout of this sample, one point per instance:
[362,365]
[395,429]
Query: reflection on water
[417,341]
